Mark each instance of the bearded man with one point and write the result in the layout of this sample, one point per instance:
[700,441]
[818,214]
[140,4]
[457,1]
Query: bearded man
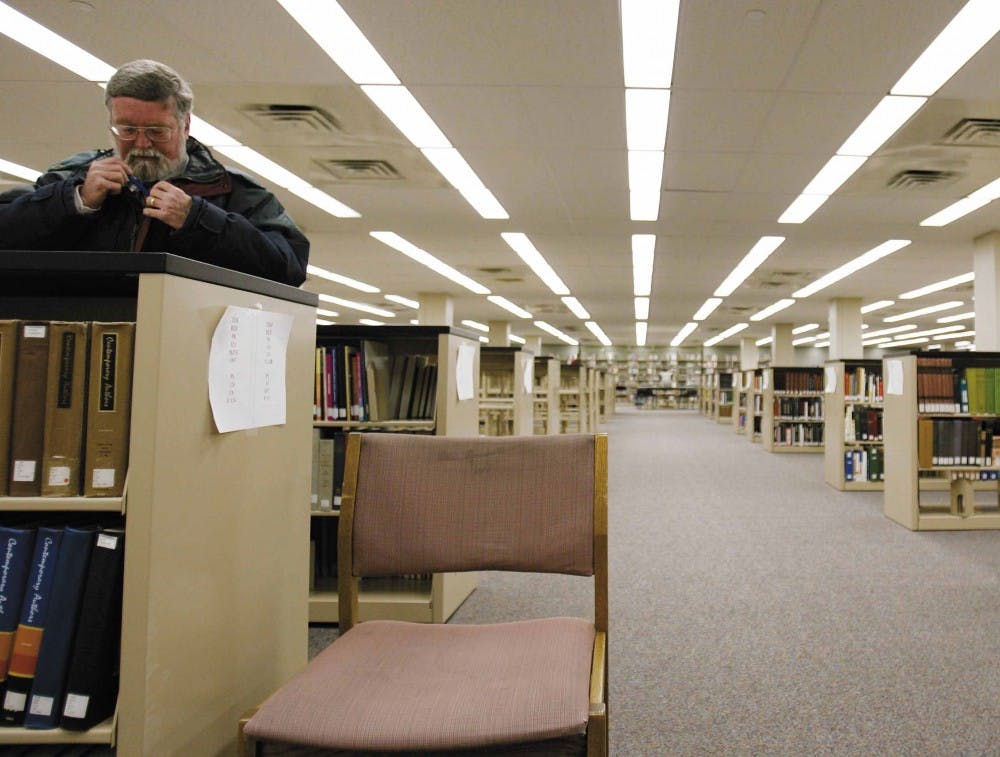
[157,189]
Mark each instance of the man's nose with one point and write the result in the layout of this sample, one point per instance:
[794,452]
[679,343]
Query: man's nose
[142,141]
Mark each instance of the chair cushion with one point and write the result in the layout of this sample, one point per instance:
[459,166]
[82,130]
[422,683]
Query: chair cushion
[389,685]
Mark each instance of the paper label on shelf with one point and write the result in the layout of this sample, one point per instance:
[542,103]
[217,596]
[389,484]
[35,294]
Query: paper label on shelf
[246,369]
[465,379]
[34,331]
[103,478]
[76,706]
[893,376]
[41,705]
[24,470]
[831,380]
[106,541]
[58,475]
[15,701]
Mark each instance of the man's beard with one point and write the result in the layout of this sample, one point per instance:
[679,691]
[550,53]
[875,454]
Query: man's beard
[150,165]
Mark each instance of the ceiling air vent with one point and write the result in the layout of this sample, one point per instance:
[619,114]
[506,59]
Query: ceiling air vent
[360,169]
[916,178]
[301,119]
[974,132]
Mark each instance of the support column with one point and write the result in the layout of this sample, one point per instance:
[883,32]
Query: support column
[533,343]
[436,309]
[782,351]
[986,264]
[748,353]
[845,328]
[499,333]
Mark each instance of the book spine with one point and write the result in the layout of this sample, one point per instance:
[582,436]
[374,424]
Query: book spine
[18,546]
[64,410]
[28,416]
[108,408]
[8,360]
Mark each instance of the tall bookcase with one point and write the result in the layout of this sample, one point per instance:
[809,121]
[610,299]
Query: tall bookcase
[546,399]
[926,419]
[792,408]
[429,599]
[214,600]
[723,396]
[574,399]
[854,453]
[754,395]
[741,400]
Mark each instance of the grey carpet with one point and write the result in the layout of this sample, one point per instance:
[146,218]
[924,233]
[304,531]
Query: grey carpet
[756,610]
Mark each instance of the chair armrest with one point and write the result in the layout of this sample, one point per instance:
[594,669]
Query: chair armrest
[245,746]
[598,674]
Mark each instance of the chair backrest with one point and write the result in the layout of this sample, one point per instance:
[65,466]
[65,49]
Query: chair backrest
[429,504]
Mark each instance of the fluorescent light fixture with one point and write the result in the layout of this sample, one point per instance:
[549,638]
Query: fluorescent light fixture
[598,332]
[852,266]
[932,332]
[556,332]
[262,166]
[370,322]
[641,328]
[683,334]
[805,328]
[873,342]
[508,306]
[982,196]
[764,341]
[837,170]
[484,339]
[642,308]
[314,270]
[824,335]
[964,278]
[351,305]
[21,172]
[880,305]
[726,334]
[933,347]
[476,325]
[802,208]
[646,113]
[884,121]
[525,250]
[404,301]
[423,257]
[407,114]
[324,322]
[804,340]
[649,33]
[324,202]
[209,135]
[645,173]
[819,345]
[643,247]
[770,310]
[461,176]
[414,321]
[924,311]
[706,309]
[576,308]
[970,29]
[341,39]
[963,343]
[327,313]
[517,339]
[891,345]
[751,261]
[893,330]
[47,43]
[959,317]
[959,335]
[644,205]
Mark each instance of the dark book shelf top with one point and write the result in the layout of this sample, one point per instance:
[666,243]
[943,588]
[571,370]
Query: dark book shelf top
[505,350]
[351,331]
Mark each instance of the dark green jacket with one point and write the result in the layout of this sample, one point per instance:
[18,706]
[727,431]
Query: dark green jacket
[234,222]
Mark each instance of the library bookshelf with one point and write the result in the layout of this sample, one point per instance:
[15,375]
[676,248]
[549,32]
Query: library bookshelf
[426,599]
[791,406]
[545,404]
[853,397]
[741,402]
[506,391]
[753,393]
[931,400]
[214,573]
[574,399]
[722,394]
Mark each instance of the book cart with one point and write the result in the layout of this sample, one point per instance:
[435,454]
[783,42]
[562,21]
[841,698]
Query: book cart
[722,397]
[214,602]
[854,453]
[792,410]
[506,391]
[546,395]
[942,440]
[431,598]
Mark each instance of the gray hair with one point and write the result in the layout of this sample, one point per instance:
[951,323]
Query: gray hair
[153,82]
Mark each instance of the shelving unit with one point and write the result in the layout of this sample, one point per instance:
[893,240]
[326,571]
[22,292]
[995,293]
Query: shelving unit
[924,396]
[214,575]
[754,393]
[574,399]
[722,396]
[792,410]
[506,391]
[546,395]
[430,599]
[853,401]
[741,400]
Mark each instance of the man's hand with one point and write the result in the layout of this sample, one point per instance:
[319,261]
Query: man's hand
[104,177]
[169,204]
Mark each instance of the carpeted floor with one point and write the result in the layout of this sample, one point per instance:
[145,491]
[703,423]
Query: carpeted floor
[756,610]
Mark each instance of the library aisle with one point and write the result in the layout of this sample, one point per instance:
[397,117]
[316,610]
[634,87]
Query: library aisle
[757,610]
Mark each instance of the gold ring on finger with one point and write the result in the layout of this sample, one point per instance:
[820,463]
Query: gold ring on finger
[152,202]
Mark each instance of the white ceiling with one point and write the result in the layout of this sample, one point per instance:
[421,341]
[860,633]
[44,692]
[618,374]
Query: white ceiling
[531,94]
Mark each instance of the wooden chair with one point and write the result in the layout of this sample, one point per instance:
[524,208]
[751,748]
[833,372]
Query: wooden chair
[425,504]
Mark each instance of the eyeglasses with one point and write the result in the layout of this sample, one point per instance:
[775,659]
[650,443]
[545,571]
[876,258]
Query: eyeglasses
[131,133]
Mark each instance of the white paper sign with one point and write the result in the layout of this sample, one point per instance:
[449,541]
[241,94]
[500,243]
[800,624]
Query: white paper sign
[831,380]
[246,369]
[529,377]
[766,380]
[465,380]
[894,377]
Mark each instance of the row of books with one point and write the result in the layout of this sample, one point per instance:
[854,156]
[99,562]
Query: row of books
[798,434]
[60,624]
[864,464]
[862,424]
[798,407]
[943,387]
[863,384]
[327,470]
[793,380]
[65,401]
[957,441]
[361,381]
